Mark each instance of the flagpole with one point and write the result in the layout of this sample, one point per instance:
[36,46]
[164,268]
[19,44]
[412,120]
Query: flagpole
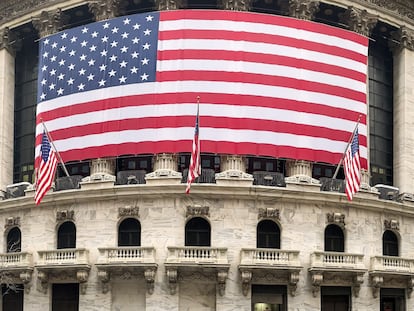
[54,147]
[349,142]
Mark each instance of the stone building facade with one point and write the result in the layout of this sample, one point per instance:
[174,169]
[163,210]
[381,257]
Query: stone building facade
[284,238]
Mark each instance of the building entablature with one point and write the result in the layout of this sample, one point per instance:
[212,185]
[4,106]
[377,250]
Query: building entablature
[127,262]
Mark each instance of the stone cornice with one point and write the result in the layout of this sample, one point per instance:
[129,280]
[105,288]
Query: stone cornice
[402,10]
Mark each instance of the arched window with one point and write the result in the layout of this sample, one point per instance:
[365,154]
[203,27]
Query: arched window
[334,239]
[14,240]
[66,235]
[129,232]
[197,232]
[389,243]
[268,234]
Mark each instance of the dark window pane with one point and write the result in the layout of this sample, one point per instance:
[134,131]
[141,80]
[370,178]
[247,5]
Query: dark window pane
[129,233]
[14,242]
[197,232]
[268,234]
[65,297]
[66,235]
[334,239]
[389,244]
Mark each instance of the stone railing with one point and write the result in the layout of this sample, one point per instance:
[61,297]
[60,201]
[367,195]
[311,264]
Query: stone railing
[266,256]
[9,260]
[70,256]
[327,260]
[126,255]
[194,254]
[392,264]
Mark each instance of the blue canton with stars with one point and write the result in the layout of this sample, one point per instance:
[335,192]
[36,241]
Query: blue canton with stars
[99,55]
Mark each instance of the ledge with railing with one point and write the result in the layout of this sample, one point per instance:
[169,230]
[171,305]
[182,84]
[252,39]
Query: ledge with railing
[392,264]
[269,257]
[126,255]
[16,260]
[63,257]
[337,260]
[197,255]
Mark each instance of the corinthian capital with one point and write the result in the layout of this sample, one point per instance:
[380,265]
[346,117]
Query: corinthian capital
[106,9]
[403,39]
[6,40]
[49,22]
[303,9]
[164,5]
[359,20]
[236,5]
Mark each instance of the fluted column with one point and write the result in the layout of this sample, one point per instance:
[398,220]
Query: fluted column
[233,171]
[106,9]
[300,171]
[303,9]
[404,110]
[7,61]
[165,169]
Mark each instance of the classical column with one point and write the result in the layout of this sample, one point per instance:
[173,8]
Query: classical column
[49,22]
[359,21]
[233,170]
[303,9]
[404,110]
[101,170]
[106,9]
[300,171]
[7,61]
[165,169]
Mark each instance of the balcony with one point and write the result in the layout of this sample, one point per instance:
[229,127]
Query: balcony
[392,271]
[193,259]
[272,179]
[257,263]
[73,261]
[16,267]
[328,266]
[137,261]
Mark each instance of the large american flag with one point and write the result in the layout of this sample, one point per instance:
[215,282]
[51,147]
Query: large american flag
[352,167]
[271,85]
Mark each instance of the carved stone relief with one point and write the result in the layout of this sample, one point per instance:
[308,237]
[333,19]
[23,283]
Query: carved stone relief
[303,9]
[272,213]
[128,211]
[193,211]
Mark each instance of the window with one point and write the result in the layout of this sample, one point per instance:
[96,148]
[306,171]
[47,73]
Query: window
[334,239]
[335,298]
[65,297]
[268,234]
[13,296]
[129,232]
[389,244]
[392,299]
[269,298]
[66,235]
[197,232]
[14,241]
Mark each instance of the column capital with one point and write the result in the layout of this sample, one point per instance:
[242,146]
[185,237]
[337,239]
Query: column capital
[359,21]
[49,22]
[6,40]
[403,38]
[303,9]
[106,9]
[164,5]
[236,5]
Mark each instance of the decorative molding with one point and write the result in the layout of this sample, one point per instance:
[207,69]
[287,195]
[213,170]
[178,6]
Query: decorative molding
[359,21]
[197,210]
[128,211]
[317,279]
[49,22]
[246,277]
[376,282]
[43,279]
[221,281]
[410,286]
[357,281]
[172,276]
[336,218]
[65,215]
[82,277]
[6,38]
[104,276]
[149,275]
[12,222]
[293,282]
[236,5]
[391,224]
[106,9]
[164,5]
[272,213]
[303,9]
[402,38]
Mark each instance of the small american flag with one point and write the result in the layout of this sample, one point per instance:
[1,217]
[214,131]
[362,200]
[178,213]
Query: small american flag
[352,167]
[195,168]
[47,169]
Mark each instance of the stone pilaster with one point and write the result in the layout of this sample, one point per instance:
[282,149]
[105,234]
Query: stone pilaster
[165,169]
[49,22]
[233,171]
[106,9]
[404,110]
[163,5]
[7,62]
[303,9]
[236,5]
[359,21]
[300,171]
[102,174]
